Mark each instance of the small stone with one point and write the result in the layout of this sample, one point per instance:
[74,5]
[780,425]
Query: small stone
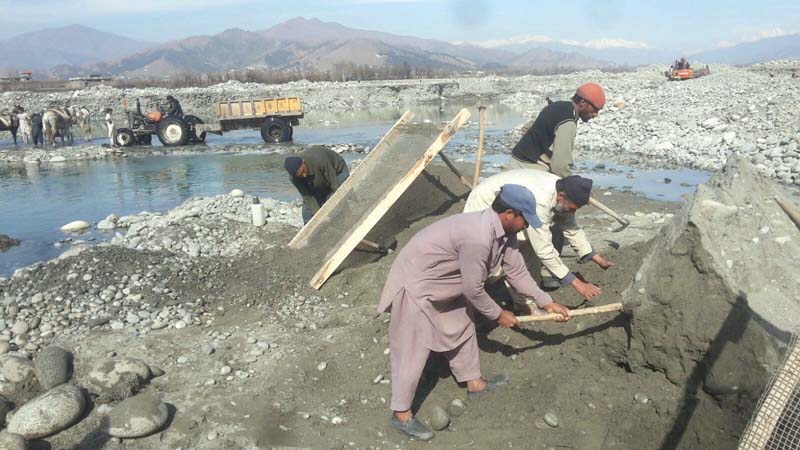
[641,398]
[76,226]
[321,366]
[180,324]
[781,240]
[137,417]
[12,441]
[182,360]
[225,370]
[337,420]
[456,407]
[237,193]
[207,349]
[377,379]
[156,371]
[5,347]
[4,409]
[213,435]
[20,327]
[551,419]
[439,418]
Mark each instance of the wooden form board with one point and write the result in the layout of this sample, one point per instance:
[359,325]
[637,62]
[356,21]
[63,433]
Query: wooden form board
[363,171]
[349,241]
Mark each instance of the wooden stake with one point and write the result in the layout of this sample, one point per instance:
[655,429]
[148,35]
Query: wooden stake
[477,173]
[455,170]
[790,210]
[365,224]
[359,174]
[611,307]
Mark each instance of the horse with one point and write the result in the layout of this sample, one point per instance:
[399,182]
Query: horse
[58,122]
[85,121]
[9,122]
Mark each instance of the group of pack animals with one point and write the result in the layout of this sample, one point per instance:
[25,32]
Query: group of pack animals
[52,123]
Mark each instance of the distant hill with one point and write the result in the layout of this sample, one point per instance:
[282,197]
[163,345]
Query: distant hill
[310,44]
[782,47]
[71,45]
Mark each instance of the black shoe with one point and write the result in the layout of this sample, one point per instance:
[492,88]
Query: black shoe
[413,427]
[551,283]
[492,384]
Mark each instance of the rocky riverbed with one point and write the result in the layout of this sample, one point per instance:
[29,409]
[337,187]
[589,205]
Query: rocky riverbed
[648,120]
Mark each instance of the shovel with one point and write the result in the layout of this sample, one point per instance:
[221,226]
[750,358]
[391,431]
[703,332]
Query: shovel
[624,222]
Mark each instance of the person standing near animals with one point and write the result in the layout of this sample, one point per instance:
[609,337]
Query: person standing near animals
[37,129]
[316,173]
[110,125]
[435,288]
[24,125]
[548,143]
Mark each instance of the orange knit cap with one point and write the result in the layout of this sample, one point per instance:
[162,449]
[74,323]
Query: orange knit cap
[592,93]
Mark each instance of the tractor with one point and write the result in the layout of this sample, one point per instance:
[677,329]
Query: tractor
[171,130]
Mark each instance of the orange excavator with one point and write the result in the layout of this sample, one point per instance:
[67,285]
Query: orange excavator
[681,70]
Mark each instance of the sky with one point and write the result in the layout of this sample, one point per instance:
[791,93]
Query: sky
[677,24]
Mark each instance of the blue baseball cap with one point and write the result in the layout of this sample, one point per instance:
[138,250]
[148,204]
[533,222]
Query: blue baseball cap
[521,199]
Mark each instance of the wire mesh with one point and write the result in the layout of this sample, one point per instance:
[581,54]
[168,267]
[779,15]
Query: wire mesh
[776,422]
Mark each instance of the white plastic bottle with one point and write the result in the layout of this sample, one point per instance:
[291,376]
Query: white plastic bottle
[259,218]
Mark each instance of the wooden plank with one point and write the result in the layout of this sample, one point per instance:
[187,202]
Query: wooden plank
[363,226]
[477,173]
[360,173]
[612,307]
[455,170]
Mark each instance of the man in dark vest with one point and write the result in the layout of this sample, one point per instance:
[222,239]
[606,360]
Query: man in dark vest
[548,144]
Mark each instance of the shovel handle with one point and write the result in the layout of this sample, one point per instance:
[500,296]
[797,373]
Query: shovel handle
[597,204]
[611,307]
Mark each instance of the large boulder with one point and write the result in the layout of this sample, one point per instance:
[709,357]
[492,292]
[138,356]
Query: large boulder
[53,367]
[117,379]
[16,369]
[136,417]
[716,299]
[49,413]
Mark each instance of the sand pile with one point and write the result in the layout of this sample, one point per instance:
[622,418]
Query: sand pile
[717,294]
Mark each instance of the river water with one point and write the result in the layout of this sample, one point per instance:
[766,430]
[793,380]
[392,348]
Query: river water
[36,200]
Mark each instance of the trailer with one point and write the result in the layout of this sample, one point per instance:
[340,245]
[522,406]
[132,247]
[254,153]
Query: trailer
[275,117]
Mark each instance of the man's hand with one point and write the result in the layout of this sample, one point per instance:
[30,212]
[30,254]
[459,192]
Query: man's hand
[507,319]
[555,308]
[602,262]
[586,290]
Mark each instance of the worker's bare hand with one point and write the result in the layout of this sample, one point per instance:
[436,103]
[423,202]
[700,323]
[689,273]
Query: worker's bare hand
[507,319]
[555,308]
[602,262]
[586,290]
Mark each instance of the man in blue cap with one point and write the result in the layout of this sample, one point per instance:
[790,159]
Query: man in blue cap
[316,173]
[435,287]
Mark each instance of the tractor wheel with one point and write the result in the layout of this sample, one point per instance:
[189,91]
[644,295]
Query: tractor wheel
[124,137]
[144,139]
[194,136]
[275,129]
[172,131]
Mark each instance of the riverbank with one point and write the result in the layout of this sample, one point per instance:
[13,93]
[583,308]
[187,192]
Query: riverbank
[648,121]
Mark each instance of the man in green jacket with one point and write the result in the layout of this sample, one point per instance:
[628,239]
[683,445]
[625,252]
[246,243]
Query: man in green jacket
[316,173]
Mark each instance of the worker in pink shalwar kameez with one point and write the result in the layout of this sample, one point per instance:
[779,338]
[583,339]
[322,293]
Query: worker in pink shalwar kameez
[436,285]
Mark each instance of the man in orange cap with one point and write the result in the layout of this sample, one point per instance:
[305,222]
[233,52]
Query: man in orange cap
[548,144]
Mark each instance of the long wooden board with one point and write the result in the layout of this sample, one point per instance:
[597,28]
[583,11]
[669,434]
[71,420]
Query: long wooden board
[346,245]
[363,171]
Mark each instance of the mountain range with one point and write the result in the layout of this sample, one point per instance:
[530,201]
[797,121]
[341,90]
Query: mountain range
[313,45]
